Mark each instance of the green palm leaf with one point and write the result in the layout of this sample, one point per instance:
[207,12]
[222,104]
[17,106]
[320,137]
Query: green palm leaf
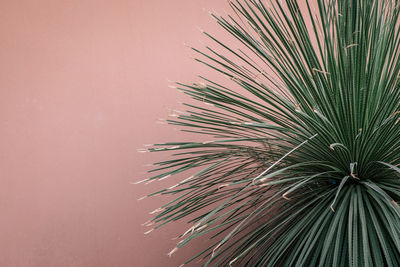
[301,166]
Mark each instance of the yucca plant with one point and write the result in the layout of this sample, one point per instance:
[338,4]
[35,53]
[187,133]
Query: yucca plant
[300,166]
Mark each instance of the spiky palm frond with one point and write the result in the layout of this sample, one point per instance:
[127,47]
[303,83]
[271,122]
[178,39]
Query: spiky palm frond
[302,168]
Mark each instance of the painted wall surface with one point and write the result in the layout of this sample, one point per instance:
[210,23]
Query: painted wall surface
[82,84]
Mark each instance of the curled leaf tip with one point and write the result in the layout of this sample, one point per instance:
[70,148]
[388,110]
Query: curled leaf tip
[332,208]
[232,261]
[172,252]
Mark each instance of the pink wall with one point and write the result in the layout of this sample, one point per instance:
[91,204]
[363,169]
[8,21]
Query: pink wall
[82,83]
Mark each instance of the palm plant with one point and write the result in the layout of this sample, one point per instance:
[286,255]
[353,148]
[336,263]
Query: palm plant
[301,163]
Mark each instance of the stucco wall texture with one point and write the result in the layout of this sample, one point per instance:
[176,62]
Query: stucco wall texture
[82,84]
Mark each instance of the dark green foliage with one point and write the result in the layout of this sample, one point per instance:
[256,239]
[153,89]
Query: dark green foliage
[302,166]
